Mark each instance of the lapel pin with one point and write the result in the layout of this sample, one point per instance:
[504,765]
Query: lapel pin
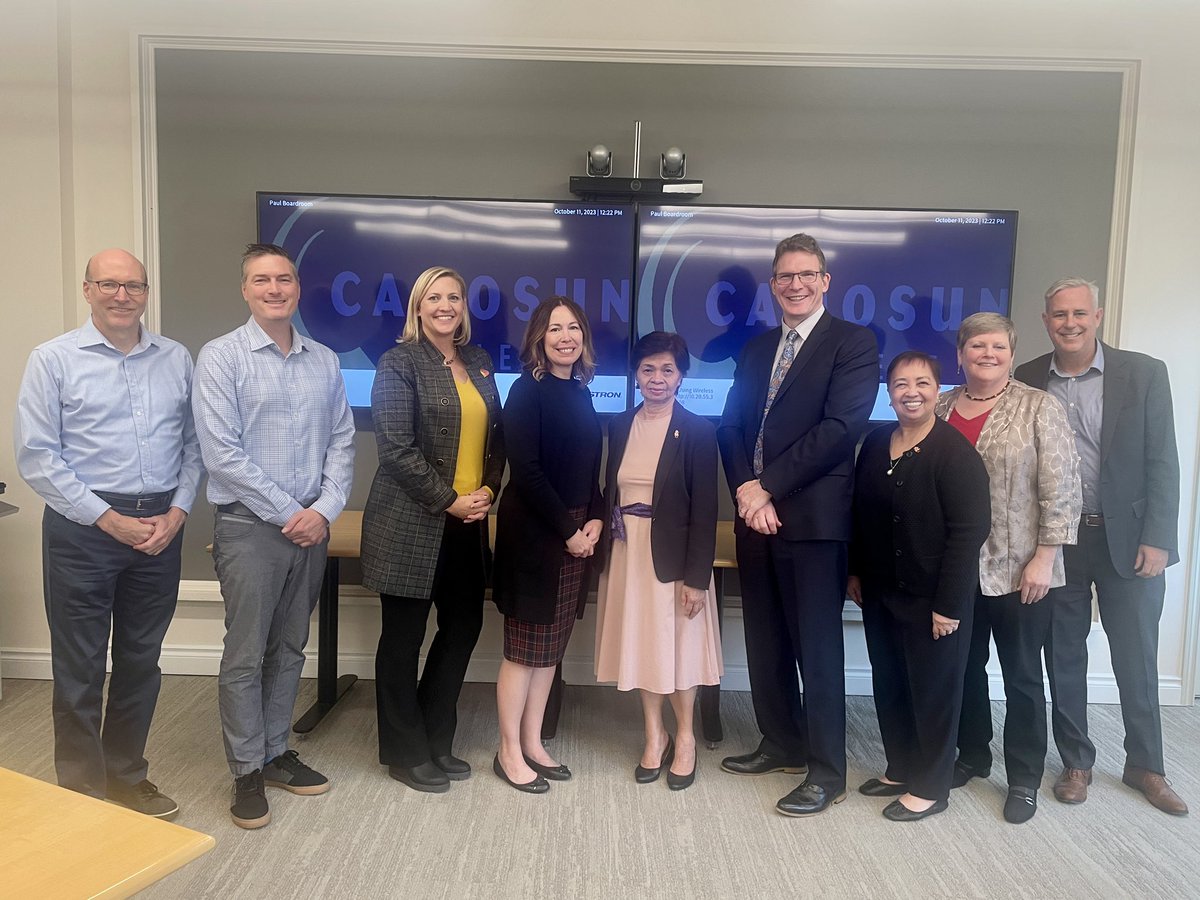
[676,433]
[484,372]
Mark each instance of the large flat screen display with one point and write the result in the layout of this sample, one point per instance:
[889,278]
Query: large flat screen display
[911,276]
[357,259]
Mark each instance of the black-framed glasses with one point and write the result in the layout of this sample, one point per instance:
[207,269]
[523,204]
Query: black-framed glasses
[785,278]
[109,288]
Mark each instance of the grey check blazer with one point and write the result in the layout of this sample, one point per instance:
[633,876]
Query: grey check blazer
[417,419]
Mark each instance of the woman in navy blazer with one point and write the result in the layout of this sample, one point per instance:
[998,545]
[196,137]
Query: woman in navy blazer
[656,628]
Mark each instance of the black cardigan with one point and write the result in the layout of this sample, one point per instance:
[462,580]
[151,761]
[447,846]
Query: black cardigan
[554,442]
[683,529]
[919,530]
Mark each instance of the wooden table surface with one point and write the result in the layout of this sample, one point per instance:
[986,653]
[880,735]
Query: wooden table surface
[57,843]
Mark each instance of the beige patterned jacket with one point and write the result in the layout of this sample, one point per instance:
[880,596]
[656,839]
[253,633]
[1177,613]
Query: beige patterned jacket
[1029,453]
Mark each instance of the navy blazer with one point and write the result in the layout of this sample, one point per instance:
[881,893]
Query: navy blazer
[819,413]
[1139,463]
[683,529]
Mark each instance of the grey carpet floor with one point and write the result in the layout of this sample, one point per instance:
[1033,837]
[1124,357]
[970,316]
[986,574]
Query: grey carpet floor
[601,835]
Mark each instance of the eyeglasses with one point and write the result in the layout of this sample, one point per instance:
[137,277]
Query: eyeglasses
[786,278]
[109,288]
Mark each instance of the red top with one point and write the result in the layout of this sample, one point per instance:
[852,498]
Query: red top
[969,428]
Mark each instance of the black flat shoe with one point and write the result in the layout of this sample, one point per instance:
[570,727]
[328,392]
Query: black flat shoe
[876,787]
[426,777]
[456,769]
[757,763]
[642,775]
[554,773]
[898,812]
[1020,805]
[964,772]
[539,785]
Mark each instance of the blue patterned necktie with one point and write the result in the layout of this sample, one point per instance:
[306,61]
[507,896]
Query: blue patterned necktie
[781,370]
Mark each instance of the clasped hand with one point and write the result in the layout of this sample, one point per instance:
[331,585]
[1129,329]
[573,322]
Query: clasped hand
[757,508]
[307,528]
[471,507]
[582,543]
[150,535]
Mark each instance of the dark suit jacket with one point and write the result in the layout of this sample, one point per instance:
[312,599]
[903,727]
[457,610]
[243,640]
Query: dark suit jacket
[417,417]
[919,530]
[818,416]
[683,530]
[1139,465]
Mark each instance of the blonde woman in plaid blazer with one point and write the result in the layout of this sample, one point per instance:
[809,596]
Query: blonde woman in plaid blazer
[441,456]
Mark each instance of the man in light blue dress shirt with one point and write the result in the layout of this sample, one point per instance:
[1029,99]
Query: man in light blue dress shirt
[104,435]
[277,437]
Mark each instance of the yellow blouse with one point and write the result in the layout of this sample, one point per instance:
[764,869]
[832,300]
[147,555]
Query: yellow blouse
[472,438]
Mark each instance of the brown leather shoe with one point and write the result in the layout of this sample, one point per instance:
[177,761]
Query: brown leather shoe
[1072,785]
[1156,789]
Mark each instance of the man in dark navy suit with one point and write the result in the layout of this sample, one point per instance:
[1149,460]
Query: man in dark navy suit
[1119,406]
[800,399]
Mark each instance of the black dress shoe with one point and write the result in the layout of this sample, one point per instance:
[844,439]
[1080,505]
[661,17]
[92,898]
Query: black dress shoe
[875,787]
[808,800]
[426,777]
[456,769]
[642,775]
[758,763]
[964,772]
[898,812]
[539,785]
[554,773]
[1020,805]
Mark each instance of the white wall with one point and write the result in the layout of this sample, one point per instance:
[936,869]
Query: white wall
[70,177]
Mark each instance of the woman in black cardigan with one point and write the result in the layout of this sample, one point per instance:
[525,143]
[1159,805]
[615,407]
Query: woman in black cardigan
[656,624]
[921,513]
[546,529]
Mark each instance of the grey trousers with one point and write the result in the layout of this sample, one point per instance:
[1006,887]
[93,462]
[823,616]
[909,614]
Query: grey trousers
[270,587]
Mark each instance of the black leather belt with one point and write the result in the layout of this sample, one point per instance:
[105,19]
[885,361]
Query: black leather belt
[139,504]
[1091,520]
[237,509]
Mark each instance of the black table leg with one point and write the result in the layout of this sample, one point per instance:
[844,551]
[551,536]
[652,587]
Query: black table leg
[710,694]
[330,688]
[554,704]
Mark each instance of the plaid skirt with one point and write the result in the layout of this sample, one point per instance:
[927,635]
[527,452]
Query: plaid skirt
[542,646]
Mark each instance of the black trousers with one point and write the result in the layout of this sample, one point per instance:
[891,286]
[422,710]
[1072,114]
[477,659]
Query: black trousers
[417,719]
[94,583]
[1021,631]
[1129,609]
[792,598]
[917,683]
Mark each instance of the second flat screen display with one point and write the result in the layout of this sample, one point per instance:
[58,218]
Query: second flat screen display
[909,276]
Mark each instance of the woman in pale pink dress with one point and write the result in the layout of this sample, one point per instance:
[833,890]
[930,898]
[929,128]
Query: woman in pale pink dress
[656,630]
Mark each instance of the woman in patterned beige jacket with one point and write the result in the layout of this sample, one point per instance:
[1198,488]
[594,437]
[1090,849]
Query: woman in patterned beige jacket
[1027,447]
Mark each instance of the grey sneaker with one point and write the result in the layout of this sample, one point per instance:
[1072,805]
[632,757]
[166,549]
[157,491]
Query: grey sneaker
[249,808]
[289,773]
[143,797]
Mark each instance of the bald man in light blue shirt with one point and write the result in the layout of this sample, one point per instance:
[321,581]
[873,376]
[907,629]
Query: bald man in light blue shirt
[104,435]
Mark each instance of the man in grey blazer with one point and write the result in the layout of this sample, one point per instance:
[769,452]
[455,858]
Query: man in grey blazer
[1119,406]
